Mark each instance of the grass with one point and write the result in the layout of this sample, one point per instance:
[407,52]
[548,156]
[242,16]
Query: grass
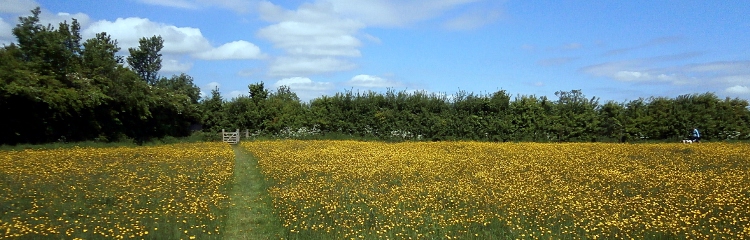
[114,190]
[251,213]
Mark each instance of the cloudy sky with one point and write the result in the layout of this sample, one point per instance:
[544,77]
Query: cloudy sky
[614,50]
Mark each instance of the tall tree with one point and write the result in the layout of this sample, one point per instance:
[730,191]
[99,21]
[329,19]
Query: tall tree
[26,32]
[146,59]
[636,120]
[177,103]
[611,121]
[575,116]
[100,56]
[257,92]
[286,110]
[214,117]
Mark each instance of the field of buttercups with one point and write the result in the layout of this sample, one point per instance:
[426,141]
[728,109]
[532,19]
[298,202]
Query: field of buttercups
[448,190]
[163,192]
[372,190]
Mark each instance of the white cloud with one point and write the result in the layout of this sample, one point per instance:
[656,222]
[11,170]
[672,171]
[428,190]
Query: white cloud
[45,18]
[235,5]
[737,89]
[644,70]
[305,88]
[17,6]
[394,13]
[303,83]
[304,66]
[128,31]
[368,81]
[177,40]
[632,76]
[638,76]
[727,76]
[55,19]
[472,20]
[232,50]
[320,36]
[312,12]
[174,66]
[236,94]
[313,37]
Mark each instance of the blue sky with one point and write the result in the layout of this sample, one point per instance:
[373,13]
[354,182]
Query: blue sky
[614,50]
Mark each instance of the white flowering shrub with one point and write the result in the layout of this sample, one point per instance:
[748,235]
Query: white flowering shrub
[401,134]
[288,132]
[729,135]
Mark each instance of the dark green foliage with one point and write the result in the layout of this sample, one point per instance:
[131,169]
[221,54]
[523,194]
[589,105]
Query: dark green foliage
[399,116]
[214,112]
[611,121]
[56,88]
[258,92]
[575,117]
[146,59]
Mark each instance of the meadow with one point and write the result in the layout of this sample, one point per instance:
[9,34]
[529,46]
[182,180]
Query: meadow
[472,190]
[374,190]
[177,191]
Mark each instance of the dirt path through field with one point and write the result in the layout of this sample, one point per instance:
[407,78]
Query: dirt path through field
[251,214]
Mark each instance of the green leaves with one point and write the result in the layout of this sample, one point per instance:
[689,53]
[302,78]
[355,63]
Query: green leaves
[55,87]
[146,59]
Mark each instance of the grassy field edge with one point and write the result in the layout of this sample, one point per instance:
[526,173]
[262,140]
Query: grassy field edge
[250,215]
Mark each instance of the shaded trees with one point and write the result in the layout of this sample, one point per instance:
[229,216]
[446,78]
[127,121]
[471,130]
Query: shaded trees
[53,87]
[611,117]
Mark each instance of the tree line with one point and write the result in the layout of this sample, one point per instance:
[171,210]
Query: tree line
[56,86]
[498,116]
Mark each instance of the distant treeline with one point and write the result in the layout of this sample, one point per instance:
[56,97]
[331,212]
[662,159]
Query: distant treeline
[483,117]
[54,86]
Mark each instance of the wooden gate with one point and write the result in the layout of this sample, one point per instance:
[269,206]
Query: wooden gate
[231,137]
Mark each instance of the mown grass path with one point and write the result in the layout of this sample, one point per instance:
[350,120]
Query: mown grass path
[251,214]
